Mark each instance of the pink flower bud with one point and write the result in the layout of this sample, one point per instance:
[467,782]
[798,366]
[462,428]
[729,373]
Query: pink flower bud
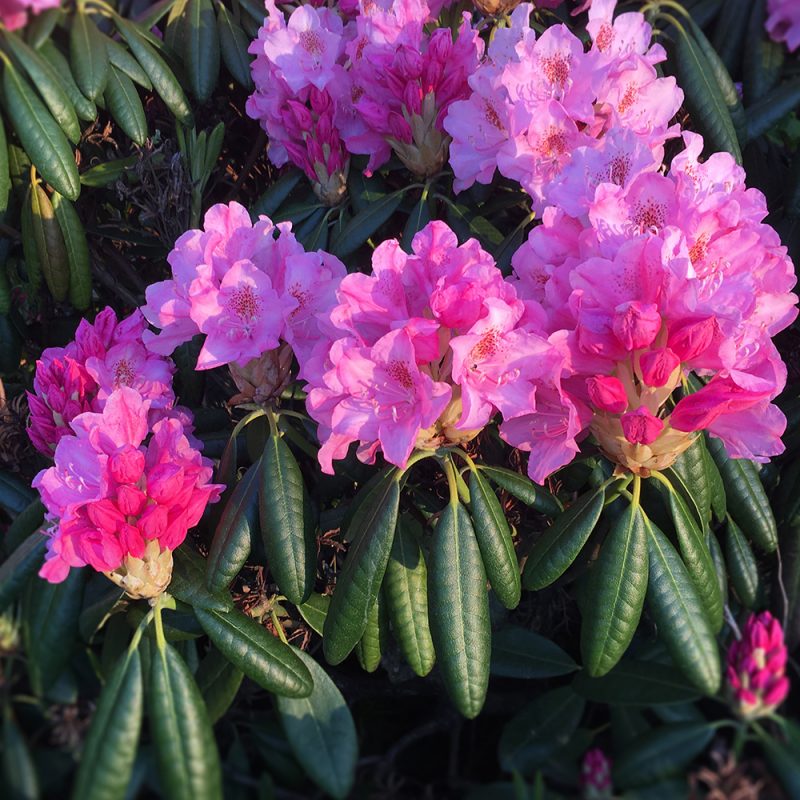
[693,338]
[595,775]
[607,393]
[757,679]
[658,365]
[636,324]
[640,426]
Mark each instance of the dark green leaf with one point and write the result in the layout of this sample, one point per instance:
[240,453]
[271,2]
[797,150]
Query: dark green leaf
[616,592]
[88,55]
[321,732]
[742,566]
[106,763]
[106,173]
[271,200]
[201,48]
[189,582]
[772,108]
[84,108]
[25,523]
[495,542]
[522,653]
[19,771]
[459,610]
[373,643]
[233,42]
[185,750]
[314,611]
[524,489]
[219,682]
[560,544]
[763,58]
[77,248]
[371,533]
[256,652]
[50,247]
[125,106]
[20,566]
[678,612]
[120,58]
[419,217]
[365,223]
[406,590]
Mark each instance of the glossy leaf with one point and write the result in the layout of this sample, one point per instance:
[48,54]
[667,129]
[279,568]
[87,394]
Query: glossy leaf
[636,684]
[371,533]
[84,108]
[185,750]
[25,523]
[459,610]
[495,542]
[231,544]
[763,57]
[661,753]
[691,468]
[321,732]
[289,543]
[314,611]
[256,652]
[40,135]
[365,223]
[50,247]
[617,587]
[189,582]
[20,566]
[201,48]
[742,565]
[678,613]
[218,681]
[419,217]
[560,544]
[121,58]
[106,763]
[233,43]
[715,485]
[406,590]
[522,653]
[771,108]
[77,249]
[125,106]
[273,198]
[88,55]
[373,643]
[746,499]
[524,489]
[542,727]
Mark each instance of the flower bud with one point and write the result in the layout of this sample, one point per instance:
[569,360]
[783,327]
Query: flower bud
[262,378]
[757,668]
[595,775]
[147,577]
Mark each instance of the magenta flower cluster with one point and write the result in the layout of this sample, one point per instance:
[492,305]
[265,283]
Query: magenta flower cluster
[14,14]
[127,471]
[757,677]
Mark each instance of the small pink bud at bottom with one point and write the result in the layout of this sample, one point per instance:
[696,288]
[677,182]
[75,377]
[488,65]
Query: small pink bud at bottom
[147,577]
[595,778]
[641,426]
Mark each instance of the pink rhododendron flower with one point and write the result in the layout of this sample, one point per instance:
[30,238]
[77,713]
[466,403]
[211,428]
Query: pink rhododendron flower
[757,677]
[424,351]
[248,287]
[119,484]
[14,14]
[783,22]
[104,356]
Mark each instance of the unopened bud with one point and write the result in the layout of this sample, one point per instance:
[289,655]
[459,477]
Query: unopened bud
[144,578]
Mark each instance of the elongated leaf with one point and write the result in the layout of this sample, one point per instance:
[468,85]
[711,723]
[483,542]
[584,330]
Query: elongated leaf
[201,53]
[40,27]
[106,173]
[419,217]
[250,647]
[289,543]
[715,485]
[560,544]
[40,135]
[20,566]
[771,109]
[321,732]
[50,614]
[696,556]
[314,611]
[406,590]
[702,96]
[661,753]
[50,247]
[677,610]
[371,532]
[233,44]
[459,610]
[494,540]
[25,523]
[273,198]
[120,58]
[691,469]
[782,757]
[125,106]
[746,499]
[19,772]
[763,58]
[88,55]
[186,753]
[636,684]
[77,249]
[522,653]
[541,728]
[84,108]
[15,496]
[164,82]
[729,32]
[365,223]
[742,566]
[617,588]
[189,582]
[219,682]
[48,85]
[231,544]
[372,644]
[524,489]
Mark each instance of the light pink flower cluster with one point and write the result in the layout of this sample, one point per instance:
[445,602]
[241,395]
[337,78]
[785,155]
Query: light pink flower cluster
[783,22]
[120,499]
[537,101]
[757,667]
[595,778]
[662,275]
[245,286]
[104,356]
[14,13]
[429,347]
[381,79]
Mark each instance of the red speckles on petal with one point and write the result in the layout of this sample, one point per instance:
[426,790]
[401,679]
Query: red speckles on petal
[124,373]
[399,372]
[699,249]
[649,215]
[487,346]
[618,169]
[245,303]
[628,98]
[605,37]
[556,68]
[492,116]
[312,43]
